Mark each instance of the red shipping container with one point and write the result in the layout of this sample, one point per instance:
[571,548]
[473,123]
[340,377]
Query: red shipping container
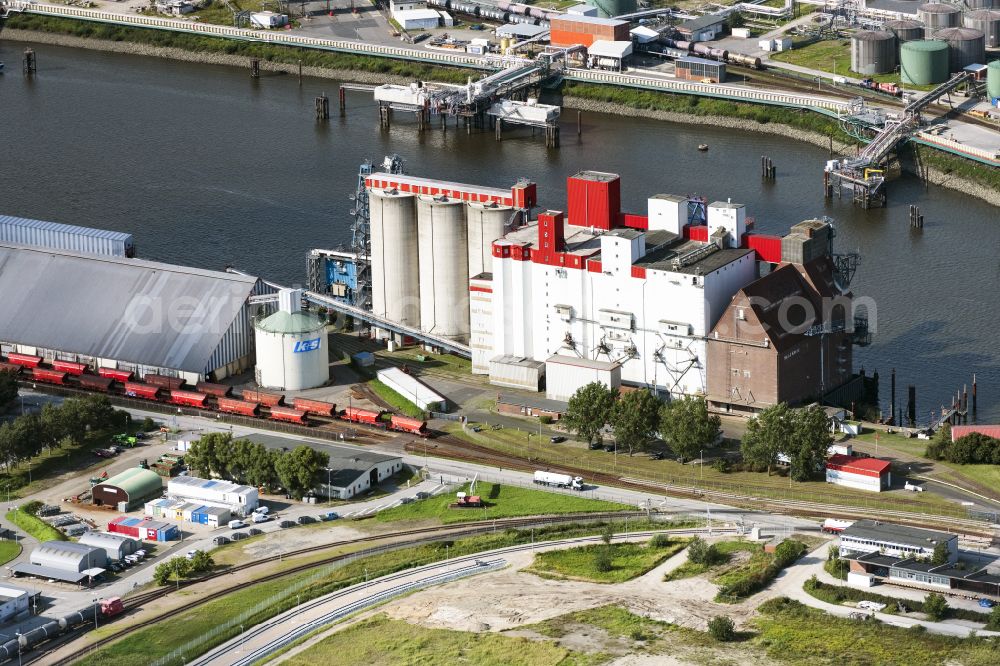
[188,398]
[220,390]
[288,414]
[169,383]
[24,360]
[233,406]
[699,233]
[69,367]
[314,406]
[95,383]
[267,399]
[48,376]
[137,390]
[117,375]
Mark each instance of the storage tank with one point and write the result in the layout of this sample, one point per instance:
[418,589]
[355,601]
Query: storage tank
[924,62]
[965,47]
[906,29]
[936,15]
[395,277]
[291,346]
[986,21]
[486,223]
[873,52]
[993,80]
[612,8]
[444,267]
[980,4]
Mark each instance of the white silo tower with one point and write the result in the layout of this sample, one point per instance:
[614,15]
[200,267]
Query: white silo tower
[291,346]
[444,267]
[395,276]
[487,222]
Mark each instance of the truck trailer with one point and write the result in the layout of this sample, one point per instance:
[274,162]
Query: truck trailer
[559,480]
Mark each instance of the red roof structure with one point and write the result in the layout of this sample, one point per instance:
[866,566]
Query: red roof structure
[861,466]
[959,431]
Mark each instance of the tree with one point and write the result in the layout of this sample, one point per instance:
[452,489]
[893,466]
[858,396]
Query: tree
[993,623]
[147,425]
[298,470]
[935,606]
[687,427]
[940,443]
[8,389]
[602,559]
[940,554]
[260,466]
[589,410]
[607,534]
[701,552]
[635,417]
[767,436]
[173,569]
[810,442]
[206,455]
[201,562]
[722,628]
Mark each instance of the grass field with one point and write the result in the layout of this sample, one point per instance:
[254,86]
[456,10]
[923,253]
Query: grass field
[834,56]
[398,402]
[501,502]
[628,561]
[9,550]
[725,549]
[35,526]
[380,640]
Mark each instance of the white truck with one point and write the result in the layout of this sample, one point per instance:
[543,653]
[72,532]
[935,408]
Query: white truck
[913,487]
[559,480]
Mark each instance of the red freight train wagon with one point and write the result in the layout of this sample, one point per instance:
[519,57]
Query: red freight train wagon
[188,398]
[406,424]
[361,416]
[233,406]
[137,390]
[267,399]
[218,390]
[69,367]
[24,360]
[314,406]
[117,375]
[48,376]
[288,414]
[95,383]
[169,383]
[10,367]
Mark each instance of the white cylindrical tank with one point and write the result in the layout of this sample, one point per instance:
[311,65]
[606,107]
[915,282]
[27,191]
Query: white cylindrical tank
[395,286]
[444,267]
[291,351]
[487,222]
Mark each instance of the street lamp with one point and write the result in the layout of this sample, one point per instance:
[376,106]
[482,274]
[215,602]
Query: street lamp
[96,600]
[328,500]
[242,639]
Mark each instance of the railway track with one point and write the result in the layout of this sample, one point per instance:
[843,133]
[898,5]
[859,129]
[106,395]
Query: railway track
[422,536]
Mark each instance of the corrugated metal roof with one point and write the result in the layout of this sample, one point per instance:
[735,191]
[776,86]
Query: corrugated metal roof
[135,311]
[137,482]
[24,222]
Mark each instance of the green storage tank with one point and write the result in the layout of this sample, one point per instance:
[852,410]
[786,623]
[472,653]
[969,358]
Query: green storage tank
[612,8]
[924,62]
[993,80]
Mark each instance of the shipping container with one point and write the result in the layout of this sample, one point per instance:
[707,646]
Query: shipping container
[219,390]
[234,406]
[125,525]
[188,398]
[169,383]
[48,376]
[137,390]
[117,375]
[314,406]
[288,414]
[361,415]
[67,237]
[24,360]
[406,424]
[266,399]
[69,367]
[12,368]
[94,383]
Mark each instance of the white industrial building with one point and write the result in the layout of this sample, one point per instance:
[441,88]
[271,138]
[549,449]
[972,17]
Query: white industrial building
[417,19]
[644,299]
[23,231]
[240,500]
[872,536]
[267,20]
[871,474]
[565,374]
[115,546]
[291,346]
[413,389]
[605,54]
[15,602]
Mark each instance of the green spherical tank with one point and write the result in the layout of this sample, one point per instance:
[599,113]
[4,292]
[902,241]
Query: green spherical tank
[993,80]
[924,62]
[612,8]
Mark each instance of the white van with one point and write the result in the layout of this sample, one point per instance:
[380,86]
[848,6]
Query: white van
[260,517]
[236,524]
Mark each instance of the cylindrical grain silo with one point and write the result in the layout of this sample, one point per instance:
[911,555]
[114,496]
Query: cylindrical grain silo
[612,8]
[873,52]
[980,4]
[966,46]
[395,274]
[923,62]
[906,30]
[986,21]
[487,222]
[444,267]
[993,80]
[937,15]
[291,347]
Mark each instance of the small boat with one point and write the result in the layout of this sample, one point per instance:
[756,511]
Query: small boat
[702,147]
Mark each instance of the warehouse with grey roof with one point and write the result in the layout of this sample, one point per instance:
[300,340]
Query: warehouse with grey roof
[142,316]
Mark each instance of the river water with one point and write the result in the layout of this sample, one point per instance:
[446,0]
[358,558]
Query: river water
[207,167]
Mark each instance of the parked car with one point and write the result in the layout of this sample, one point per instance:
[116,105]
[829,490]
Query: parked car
[610,448]
[262,510]
[423,495]
[286,523]
[259,518]
[191,553]
[220,540]
[140,553]
[986,603]
[253,531]
[304,520]
[657,455]
[406,500]
[329,515]
[557,439]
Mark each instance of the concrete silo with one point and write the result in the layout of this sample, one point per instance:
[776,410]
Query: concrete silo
[936,16]
[394,260]
[923,62]
[966,46]
[980,4]
[993,80]
[873,52]
[988,22]
[486,224]
[444,267]
[906,30]
[291,346]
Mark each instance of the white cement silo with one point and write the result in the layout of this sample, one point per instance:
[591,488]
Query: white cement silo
[444,267]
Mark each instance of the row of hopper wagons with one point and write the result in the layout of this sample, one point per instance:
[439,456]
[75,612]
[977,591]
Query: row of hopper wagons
[105,609]
[205,395]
